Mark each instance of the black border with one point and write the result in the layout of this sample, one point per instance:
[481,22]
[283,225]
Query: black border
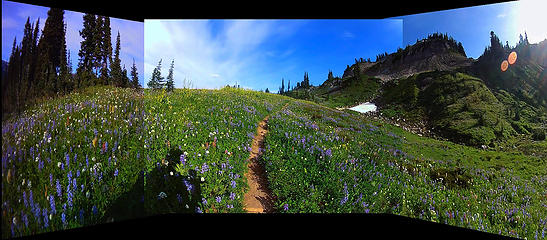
[209,226]
[163,9]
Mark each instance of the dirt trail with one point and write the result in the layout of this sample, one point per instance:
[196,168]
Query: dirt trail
[258,199]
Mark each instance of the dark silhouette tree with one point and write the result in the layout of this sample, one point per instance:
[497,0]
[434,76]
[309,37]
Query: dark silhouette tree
[170,84]
[156,80]
[135,76]
[86,52]
[115,67]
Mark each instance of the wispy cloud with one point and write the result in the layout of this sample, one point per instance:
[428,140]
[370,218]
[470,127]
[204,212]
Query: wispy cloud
[348,34]
[501,15]
[211,59]
[8,23]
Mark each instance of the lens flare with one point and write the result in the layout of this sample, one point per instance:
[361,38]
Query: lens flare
[504,65]
[512,58]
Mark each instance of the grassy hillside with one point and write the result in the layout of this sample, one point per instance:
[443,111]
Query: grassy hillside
[71,161]
[462,108]
[197,134]
[324,160]
[321,160]
[192,146]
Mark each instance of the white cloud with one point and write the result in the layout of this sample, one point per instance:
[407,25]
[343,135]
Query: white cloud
[201,54]
[348,34]
[8,23]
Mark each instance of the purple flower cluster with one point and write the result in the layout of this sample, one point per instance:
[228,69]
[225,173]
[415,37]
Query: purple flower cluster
[52,204]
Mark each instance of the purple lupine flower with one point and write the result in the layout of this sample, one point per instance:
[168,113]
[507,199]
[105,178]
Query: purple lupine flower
[179,198]
[67,160]
[116,172]
[233,183]
[25,219]
[86,161]
[328,152]
[59,191]
[52,204]
[188,185]
[204,201]
[25,198]
[286,207]
[94,210]
[63,217]
[31,199]
[69,195]
[204,168]
[232,196]
[50,178]
[230,206]
[198,210]
[218,198]
[44,214]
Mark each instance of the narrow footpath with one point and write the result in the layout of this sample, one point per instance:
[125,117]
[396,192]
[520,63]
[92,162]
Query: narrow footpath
[259,197]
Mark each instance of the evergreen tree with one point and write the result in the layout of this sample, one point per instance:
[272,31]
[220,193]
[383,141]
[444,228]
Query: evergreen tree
[289,86]
[64,74]
[99,46]
[51,46]
[34,59]
[103,48]
[125,78]
[115,67]
[155,81]
[170,84]
[282,90]
[135,76]
[330,76]
[107,39]
[267,90]
[306,81]
[86,52]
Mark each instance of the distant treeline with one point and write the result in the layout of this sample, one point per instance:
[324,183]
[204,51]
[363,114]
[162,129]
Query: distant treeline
[40,66]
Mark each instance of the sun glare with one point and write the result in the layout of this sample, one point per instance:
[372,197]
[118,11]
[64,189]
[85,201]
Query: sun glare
[512,58]
[531,18]
[504,65]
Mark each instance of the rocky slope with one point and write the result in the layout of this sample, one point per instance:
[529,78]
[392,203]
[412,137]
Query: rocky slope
[434,53]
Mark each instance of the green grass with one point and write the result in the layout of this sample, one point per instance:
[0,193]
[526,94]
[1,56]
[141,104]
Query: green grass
[201,134]
[192,146]
[322,160]
[56,176]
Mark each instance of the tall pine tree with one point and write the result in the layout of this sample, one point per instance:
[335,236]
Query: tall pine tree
[135,76]
[115,67]
[51,46]
[156,80]
[170,84]
[86,52]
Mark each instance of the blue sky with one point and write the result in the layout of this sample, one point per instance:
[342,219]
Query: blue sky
[257,54]
[472,25]
[14,17]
